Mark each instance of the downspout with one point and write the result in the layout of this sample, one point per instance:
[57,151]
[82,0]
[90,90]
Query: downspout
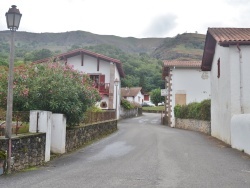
[241,80]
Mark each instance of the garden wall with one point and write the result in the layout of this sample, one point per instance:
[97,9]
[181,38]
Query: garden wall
[130,113]
[77,137]
[194,125]
[28,150]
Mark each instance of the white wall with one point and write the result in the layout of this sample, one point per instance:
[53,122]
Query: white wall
[220,96]
[240,131]
[90,66]
[192,82]
[139,98]
[225,91]
[235,77]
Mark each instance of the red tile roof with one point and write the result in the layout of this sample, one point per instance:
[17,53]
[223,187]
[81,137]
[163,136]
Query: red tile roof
[184,64]
[83,51]
[224,37]
[130,92]
[230,36]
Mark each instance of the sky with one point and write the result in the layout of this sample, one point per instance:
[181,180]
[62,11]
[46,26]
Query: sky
[128,18]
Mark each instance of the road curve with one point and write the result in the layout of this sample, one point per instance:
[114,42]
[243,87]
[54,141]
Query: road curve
[144,154]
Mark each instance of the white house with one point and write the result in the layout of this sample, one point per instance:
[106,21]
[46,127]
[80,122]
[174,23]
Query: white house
[133,94]
[185,83]
[227,56]
[101,69]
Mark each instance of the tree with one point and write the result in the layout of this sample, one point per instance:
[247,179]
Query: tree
[51,87]
[155,96]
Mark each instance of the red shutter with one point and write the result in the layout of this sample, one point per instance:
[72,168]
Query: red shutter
[102,82]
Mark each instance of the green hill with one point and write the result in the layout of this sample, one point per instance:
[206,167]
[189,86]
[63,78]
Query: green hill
[185,46]
[141,57]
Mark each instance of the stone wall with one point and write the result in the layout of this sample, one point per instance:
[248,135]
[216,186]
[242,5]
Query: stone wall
[28,150]
[194,125]
[77,137]
[130,113]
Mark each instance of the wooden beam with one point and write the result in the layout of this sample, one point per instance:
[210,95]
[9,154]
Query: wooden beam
[82,58]
[98,63]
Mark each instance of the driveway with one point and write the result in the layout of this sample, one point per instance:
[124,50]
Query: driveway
[144,154]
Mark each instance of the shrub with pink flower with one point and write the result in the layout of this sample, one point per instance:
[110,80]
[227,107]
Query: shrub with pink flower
[52,87]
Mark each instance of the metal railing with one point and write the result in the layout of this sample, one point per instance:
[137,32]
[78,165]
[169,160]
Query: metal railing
[94,117]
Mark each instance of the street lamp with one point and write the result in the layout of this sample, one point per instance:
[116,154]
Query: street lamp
[13,18]
[116,84]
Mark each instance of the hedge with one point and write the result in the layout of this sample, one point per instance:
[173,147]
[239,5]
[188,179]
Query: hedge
[194,110]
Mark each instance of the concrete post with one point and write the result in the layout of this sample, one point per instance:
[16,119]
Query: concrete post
[58,133]
[40,121]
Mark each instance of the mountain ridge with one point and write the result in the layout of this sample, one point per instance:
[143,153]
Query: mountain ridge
[186,46]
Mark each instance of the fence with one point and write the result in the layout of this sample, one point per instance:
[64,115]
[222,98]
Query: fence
[94,117]
[19,119]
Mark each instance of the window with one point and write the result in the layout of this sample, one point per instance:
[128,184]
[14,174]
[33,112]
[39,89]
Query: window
[95,79]
[218,68]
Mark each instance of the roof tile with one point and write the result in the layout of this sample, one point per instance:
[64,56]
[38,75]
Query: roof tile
[130,92]
[184,64]
[230,35]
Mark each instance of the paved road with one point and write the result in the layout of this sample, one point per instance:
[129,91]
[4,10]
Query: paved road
[143,154]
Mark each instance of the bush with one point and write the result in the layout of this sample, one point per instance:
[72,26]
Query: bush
[194,110]
[52,87]
[129,105]
[205,110]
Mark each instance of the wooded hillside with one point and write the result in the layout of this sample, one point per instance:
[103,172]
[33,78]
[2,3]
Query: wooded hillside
[141,57]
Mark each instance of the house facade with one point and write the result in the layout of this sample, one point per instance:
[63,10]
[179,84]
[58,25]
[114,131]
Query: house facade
[227,56]
[133,94]
[185,83]
[102,70]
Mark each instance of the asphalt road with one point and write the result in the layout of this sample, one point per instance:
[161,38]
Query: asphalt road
[143,154]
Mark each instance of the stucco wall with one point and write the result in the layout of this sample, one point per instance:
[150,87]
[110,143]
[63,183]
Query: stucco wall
[192,82]
[220,96]
[240,132]
[225,91]
[138,98]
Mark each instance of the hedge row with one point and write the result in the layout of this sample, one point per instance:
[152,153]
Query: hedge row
[194,110]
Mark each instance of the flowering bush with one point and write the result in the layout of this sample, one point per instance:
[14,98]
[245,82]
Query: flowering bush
[51,87]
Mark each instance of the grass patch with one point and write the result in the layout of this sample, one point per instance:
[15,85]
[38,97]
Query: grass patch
[156,108]
[23,129]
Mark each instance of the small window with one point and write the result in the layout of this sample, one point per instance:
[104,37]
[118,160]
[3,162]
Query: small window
[218,65]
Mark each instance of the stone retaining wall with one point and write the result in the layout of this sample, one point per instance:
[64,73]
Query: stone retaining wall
[130,113]
[27,150]
[77,137]
[194,125]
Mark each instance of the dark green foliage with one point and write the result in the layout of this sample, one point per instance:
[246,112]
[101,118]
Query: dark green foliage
[38,54]
[3,62]
[3,155]
[155,96]
[126,104]
[205,110]
[194,110]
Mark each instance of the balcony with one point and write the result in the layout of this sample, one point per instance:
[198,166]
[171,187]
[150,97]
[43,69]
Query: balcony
[103,88]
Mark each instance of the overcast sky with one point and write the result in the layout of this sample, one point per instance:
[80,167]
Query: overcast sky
[128,18]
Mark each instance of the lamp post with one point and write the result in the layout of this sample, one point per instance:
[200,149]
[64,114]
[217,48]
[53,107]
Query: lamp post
[13,18]
[116,96]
